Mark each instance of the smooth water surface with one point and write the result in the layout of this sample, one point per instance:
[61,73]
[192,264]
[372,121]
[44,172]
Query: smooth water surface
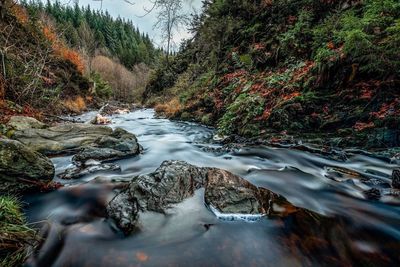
[191,235]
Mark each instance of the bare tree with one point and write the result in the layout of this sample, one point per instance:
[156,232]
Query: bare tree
[169,18]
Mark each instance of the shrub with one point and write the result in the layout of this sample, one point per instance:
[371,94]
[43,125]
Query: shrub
[75,105]
[169,109]
[240,115]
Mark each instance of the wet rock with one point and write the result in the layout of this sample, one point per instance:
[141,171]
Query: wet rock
[23,123]
[396,179]
[78,172]
[110,109]
[171,183]
[21,168]
[373,194]
[175,181]
[100,120]
[229,193]
[62,138]
[119,144]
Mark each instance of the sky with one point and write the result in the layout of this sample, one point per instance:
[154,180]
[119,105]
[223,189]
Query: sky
[133,12]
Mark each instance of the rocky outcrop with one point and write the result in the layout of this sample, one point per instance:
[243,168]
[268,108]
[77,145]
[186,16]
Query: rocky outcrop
[175,181]
[94,141]
[21,168]
[92,158]
[62,138]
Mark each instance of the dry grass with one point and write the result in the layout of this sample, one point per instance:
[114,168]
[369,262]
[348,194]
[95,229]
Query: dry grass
[76,105]
[169,109]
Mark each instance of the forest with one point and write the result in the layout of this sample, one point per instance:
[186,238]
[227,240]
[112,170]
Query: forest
[267,135]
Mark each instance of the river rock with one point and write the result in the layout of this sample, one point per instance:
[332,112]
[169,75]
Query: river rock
[175,181]
[229,193]
[62,138]
[396,179]
[21,168]
[119,144]
[22,123]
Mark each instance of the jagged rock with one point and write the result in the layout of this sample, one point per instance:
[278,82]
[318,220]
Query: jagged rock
[396,179]
[175,181]
[21,168]
[119,144]
[22,123]
[229,193]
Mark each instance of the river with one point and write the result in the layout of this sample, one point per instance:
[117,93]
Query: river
[191,235]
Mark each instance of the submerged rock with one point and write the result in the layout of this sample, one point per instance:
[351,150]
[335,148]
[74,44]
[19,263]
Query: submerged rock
[174,181]
[21,168]
[396,179]
[78,172]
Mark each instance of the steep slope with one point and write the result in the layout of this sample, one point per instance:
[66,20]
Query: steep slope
[314,67]
[37,70]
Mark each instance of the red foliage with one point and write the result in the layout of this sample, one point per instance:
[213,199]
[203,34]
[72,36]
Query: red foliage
[61,50]
[291,96]
[360,126]
[20,13]
[6,112]
[388,109]
[237,74]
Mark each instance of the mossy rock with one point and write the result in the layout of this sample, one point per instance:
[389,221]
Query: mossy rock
[21,168]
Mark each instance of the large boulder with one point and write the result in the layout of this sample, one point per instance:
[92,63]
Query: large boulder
[21,168]
[119,144]
[171,183]
[20,123]
[228,193]
[62,138]
[174,181]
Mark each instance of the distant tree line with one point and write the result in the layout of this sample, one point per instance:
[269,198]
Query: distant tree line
[95,31]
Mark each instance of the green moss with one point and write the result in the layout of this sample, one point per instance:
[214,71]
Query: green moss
[240,116]
[15,235]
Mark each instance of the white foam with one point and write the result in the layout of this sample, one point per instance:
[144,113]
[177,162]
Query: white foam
[236,216]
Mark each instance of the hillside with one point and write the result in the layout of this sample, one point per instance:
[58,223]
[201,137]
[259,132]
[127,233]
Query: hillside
[283,67]
[38,71]
[94,31]
[59,59]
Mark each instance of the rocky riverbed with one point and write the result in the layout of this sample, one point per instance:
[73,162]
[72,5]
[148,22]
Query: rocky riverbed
[149,191]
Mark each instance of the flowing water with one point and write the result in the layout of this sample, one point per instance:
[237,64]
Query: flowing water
[360,231]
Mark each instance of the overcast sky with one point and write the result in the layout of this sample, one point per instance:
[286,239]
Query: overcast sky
[121,8]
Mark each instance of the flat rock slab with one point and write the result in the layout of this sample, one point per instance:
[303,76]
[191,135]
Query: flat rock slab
[22,168]
[62,138]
